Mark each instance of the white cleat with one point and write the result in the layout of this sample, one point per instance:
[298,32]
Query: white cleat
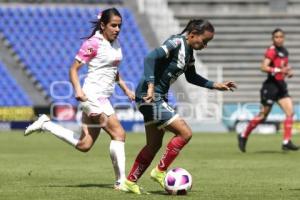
[37,125]
[120,186]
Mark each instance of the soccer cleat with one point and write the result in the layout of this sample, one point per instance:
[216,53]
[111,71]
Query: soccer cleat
[158,176]
[242,143]
[117,185]
[120,186]
[37,125]
[129,186]
[289,146]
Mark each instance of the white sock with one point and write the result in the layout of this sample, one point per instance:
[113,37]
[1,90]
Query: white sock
[285,142]
[62,133]
[117,155]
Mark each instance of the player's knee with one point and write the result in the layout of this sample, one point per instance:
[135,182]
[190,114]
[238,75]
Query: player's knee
[185,132]
[289,116]
[119,136]
[262,116]
[187,136]
[84,147]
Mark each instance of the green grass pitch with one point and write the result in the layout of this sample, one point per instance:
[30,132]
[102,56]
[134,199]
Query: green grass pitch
[41,167]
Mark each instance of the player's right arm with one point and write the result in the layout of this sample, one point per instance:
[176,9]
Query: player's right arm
[265,65]
[149,64]
[87,51]
[79,94]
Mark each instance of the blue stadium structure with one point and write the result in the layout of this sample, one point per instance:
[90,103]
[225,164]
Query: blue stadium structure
[46,40]
[11,93]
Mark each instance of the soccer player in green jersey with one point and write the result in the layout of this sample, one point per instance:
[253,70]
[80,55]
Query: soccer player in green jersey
[162,67]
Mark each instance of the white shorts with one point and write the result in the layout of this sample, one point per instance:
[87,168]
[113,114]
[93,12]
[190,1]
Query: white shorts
[97,106]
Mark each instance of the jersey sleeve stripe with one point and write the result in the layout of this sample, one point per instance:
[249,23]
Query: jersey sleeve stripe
[164,47]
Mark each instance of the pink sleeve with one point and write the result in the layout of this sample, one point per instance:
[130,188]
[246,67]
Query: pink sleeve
[88,50]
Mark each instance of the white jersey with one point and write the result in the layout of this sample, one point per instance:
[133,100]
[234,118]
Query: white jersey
[103,59]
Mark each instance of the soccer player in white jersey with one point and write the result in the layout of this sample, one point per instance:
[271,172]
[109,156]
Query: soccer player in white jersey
[102,53]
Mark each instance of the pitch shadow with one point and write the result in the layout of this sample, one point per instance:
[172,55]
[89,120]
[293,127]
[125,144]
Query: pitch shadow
[159,192]
[295,189]
[88,185]
[270,152]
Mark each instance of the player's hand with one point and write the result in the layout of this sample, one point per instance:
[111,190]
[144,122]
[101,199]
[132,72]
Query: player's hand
[80,96]
[285,70]
[226,86]
[288,72]
[130,94]
[150,93]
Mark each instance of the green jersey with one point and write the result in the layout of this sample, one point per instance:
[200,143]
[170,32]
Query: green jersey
[165,64]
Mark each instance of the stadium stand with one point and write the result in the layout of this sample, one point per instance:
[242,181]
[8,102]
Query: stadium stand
[243,32]
[46,40]
[11,93]
[65,1]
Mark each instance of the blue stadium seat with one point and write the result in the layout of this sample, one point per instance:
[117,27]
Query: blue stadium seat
[11,93]
[50,38]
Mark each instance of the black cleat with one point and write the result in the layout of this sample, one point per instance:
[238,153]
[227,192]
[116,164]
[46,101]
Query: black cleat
[242,143]
[290,146]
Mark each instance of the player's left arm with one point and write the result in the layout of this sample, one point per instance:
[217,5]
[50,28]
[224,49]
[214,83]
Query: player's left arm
[194,78]
[123,86]
[225,86]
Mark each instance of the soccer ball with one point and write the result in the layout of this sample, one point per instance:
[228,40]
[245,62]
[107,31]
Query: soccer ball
[178,181]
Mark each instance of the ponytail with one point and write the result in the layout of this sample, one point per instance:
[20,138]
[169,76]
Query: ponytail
[96,27]
[199,26]
[187,26]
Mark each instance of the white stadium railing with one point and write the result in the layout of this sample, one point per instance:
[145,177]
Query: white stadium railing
[161,17]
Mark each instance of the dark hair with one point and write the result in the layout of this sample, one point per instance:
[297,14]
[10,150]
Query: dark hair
[277,30]
[104,17]
[198,25]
